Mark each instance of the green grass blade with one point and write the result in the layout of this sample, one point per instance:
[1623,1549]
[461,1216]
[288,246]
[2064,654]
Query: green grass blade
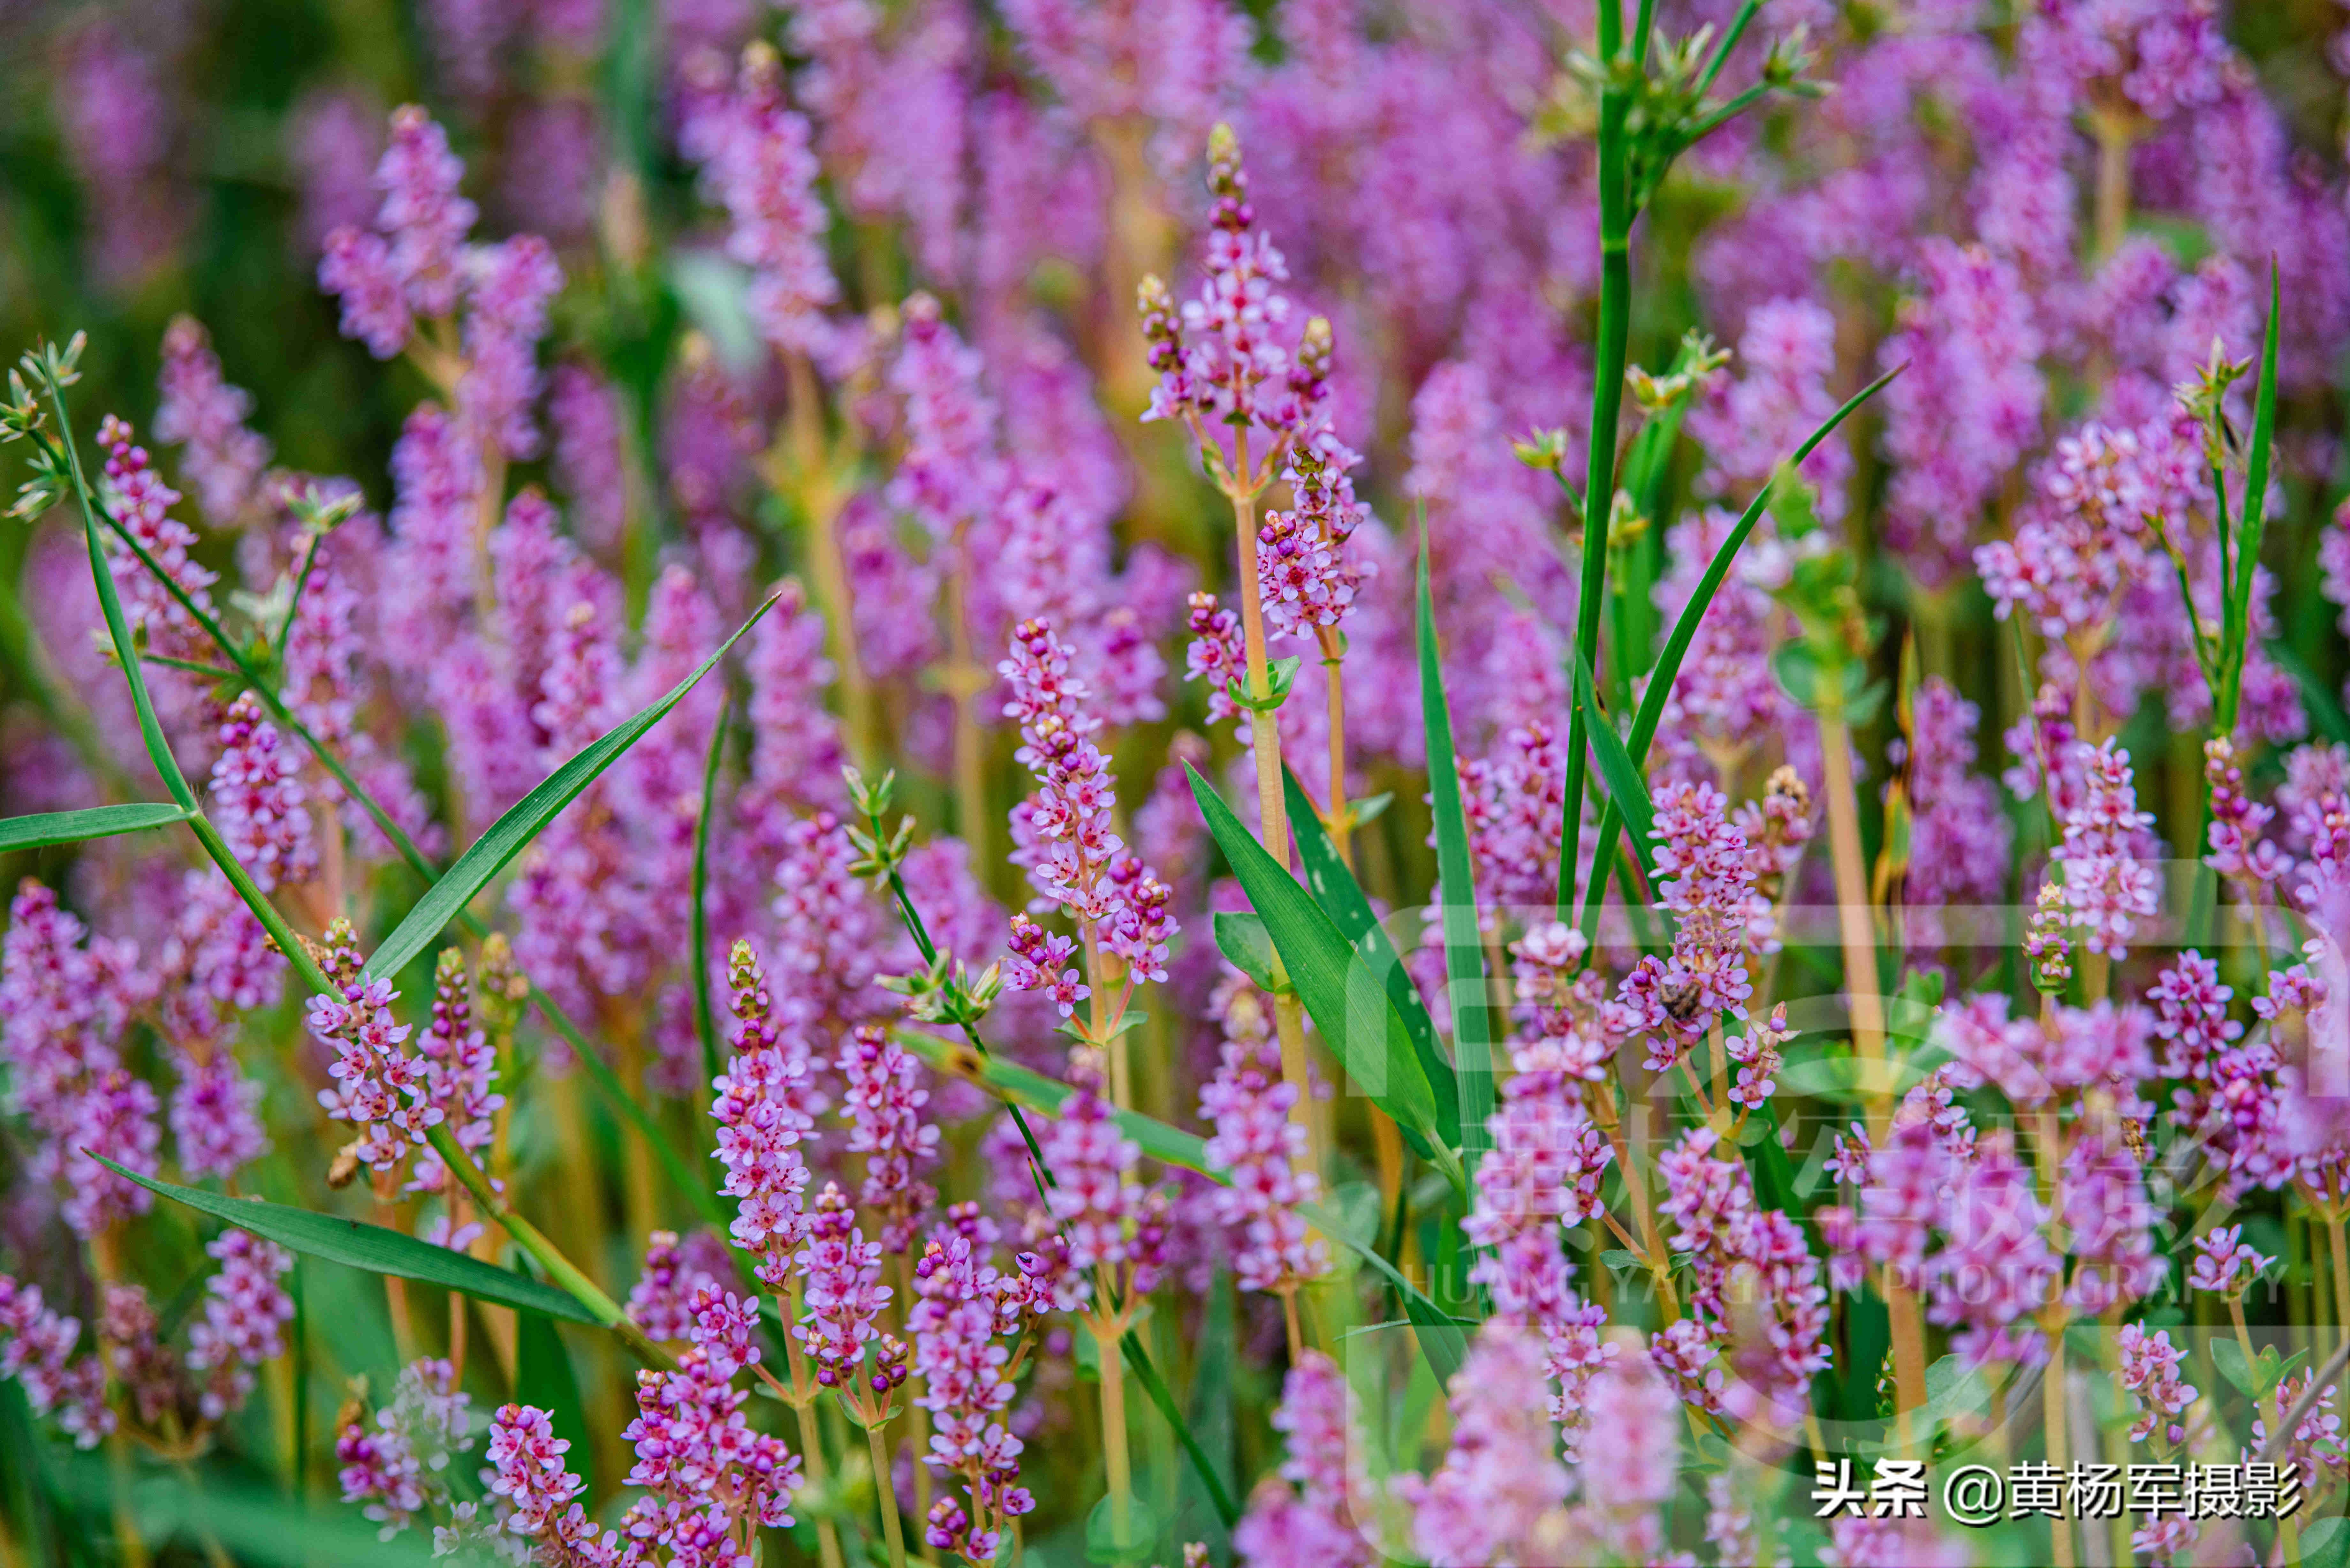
[1440,1335]
[2238,629]
[77,826]
[1651,710]
[705,1017]
[1342,898]
[1019,1085]
[1155,1386]
[1347,1003]
[360,1245]
[1464,953]
[126,651]
[1627,795]
[510,834]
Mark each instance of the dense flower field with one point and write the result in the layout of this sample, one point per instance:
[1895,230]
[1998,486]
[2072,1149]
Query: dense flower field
[1302,783]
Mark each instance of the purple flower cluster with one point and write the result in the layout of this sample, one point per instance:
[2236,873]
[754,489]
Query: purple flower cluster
[1072,856]
[963,1311]
[711,1480]
[381,1088]
[882,1097]
[1706,878]
[765,1103]
[37,1349]
[64,1005]
[1313,1522]
[1224,358]
[1755,1292]
[202,415]
[1263,1154]
[412,262]
[258,800]
[246,1313]
[1117,1229]
[753,149]
[398,1466]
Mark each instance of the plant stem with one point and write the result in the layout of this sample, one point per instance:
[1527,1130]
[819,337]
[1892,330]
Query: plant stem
[2052,1417]
[1265,734]
[1854,924]
[1607,407]
[1903,1310]
[2112,131]
[828,1535]
[886,1487]
[1113,1412]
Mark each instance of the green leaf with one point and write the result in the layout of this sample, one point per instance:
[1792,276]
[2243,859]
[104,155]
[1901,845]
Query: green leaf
[1627,792]
[2229,1357]
[1155,1388]
[543,1376]
[1020,1085]
[1774,1176]
[363,1246]
[507,836]
[1243,940]
[1342,898]
[126,649]
[1622,1258]
[1464,951]
[97,822]
[1209,1422]
[1651,710]
[1347,1003]
[2326,1543]
[1868,1331]
[1102,1542]
[1440,1335]
[705,1017]
[2255,503]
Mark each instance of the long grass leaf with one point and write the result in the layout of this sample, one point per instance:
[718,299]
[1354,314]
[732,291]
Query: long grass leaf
[1342,898]
[1464,954]
[507,836]
[118,629]
[1627,793]
[1155,1386]
[1347,1003]
[705,1017]
[1440,1335]
[1651,710]
[2254,507]
[1019,1085]
[378,1251]
[76,826]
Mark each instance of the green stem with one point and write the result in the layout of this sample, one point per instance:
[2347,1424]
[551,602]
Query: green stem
[1607,407]
[559,1268]
[890,1529]
[630,1109]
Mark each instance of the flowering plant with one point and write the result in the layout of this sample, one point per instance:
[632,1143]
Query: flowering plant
[1109,782]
